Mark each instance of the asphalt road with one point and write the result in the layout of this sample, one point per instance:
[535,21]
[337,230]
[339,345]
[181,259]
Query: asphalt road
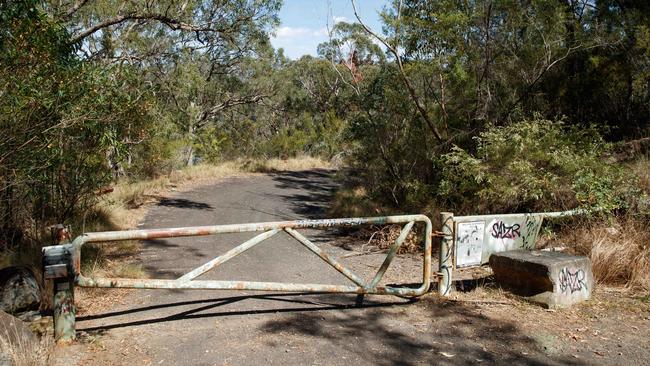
[171,327]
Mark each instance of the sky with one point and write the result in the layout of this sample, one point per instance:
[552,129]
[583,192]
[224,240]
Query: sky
[304,22]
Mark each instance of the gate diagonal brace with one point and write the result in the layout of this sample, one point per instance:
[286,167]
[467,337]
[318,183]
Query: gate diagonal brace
[324,256]
[232,253]
[391,255]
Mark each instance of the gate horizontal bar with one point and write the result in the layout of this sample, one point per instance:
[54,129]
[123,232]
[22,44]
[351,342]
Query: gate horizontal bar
[240,228]
[242,285]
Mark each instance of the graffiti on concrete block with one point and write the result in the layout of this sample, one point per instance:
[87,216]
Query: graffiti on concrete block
[572,281]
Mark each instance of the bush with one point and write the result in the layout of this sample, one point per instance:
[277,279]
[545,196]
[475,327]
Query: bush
[65,124]
[536,165]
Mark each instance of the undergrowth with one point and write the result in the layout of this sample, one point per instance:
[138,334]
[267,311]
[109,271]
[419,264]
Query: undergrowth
[23,350]
[616,238]
[619,249]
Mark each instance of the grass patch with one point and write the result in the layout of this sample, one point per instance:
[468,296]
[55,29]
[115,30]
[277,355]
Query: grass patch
[284,165]
[618,249]
[25,351]
[645,299]
[641,169]
[353,202]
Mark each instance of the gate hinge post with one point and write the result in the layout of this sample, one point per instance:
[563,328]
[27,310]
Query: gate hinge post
[61,265]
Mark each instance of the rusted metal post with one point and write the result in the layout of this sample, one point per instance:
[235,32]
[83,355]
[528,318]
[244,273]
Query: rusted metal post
[60,264]
[445,257]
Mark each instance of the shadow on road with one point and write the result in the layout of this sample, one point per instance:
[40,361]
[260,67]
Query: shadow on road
[380,333]
[318,302]
[316,187]
[184,203]
[458,334]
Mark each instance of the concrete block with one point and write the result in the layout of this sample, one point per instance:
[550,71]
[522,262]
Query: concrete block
[552,279]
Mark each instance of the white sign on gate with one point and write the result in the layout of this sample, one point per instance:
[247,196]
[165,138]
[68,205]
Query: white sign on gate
[469,243]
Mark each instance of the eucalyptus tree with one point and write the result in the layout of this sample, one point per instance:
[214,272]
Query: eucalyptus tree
[191,51]
[465,66]
[59,117]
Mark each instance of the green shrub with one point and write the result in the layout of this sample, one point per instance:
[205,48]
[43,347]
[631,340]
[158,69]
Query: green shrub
[287,143]
[535,165]
[66,125]
[209,144]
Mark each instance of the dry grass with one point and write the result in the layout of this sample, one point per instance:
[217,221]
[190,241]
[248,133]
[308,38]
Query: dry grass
[26,351]
[112,260]
[619,250]
[383,237]
[283,165]
[353,202]
[378,239]
[641,169]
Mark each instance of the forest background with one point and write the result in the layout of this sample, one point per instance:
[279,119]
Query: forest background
[467,106]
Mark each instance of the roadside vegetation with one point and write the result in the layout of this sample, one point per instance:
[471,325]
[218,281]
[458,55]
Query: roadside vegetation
[19,347]
[476,107]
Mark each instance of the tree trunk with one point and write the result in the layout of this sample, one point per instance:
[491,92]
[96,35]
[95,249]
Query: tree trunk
[190,156]
[190,148]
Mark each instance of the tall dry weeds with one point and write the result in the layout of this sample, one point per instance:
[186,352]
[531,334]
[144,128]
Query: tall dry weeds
[283,165]
[23,350]
[619,250]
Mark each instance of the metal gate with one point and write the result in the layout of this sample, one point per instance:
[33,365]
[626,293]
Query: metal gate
[465,241]
[62,262]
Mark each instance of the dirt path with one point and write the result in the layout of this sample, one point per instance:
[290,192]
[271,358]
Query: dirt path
[160,327]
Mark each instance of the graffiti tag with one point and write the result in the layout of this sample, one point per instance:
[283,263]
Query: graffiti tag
[572,281]
[532,228]
[503,231]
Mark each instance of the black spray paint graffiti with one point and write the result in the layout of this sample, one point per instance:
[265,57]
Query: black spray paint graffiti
[503,231]
[532,226]
[573,281]
[445,265]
